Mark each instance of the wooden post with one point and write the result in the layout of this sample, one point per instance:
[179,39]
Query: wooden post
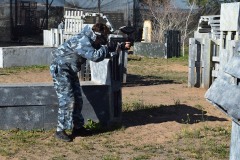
[206,76]
[191,62]
[123,56]
[47,10]
[235,142]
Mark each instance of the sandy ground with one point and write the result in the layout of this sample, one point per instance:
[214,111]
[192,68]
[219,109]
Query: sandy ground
[181,103]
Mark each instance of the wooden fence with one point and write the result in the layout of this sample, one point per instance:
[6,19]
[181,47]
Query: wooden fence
[73,24]
[209,51]
[214,63]
[53,37]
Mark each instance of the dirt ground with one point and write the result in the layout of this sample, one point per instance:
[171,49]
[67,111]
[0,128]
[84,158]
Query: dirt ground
[156,127]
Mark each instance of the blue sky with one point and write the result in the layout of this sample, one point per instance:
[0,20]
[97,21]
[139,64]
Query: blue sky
[179,3]
[55,2]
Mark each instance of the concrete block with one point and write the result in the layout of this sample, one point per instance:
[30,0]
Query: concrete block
[230,16]
[28,117]
[28,106]
[149,49]
[100,72]
[35,106]
[25,56]
[27,94]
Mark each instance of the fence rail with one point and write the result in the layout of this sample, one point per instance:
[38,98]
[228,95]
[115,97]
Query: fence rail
[73,24]
[52,37]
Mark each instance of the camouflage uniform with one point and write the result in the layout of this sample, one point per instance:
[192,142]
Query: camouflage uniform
[67,60]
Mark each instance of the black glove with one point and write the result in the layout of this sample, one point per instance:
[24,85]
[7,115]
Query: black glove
[123,46]
[112,46]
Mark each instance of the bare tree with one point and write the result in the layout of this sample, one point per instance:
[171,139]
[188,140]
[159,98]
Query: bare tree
[165,16]
[186,26]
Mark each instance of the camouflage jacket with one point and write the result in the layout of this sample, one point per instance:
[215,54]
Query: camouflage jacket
[73,52]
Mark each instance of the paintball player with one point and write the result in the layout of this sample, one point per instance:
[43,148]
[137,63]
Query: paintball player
[61,25]
[89,44]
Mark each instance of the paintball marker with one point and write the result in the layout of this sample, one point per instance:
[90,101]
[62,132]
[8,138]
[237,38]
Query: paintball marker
[117,50]
[116,41]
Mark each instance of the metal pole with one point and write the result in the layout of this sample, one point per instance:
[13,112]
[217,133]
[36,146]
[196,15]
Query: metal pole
[99,6]
[11,18]
[16,12]
[127,12]
[99,10]
[134,14]
[46,26]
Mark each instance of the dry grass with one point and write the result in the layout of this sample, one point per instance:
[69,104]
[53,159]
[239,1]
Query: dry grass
[188,135]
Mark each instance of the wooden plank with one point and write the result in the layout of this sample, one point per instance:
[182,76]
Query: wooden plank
[215,59]
[214,73]
[191,60]
[216,66]
[125,60]
[207,54]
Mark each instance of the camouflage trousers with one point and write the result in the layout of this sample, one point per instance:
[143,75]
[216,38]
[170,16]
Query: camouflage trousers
[67,86]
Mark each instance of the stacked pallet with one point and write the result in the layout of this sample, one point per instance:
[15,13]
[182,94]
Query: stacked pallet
[210,24]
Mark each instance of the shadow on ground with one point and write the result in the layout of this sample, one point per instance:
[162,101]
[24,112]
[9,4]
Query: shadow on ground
[137,80]
[179,113]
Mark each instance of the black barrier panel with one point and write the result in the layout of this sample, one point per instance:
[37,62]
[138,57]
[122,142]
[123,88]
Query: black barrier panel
[116,79]
[172,43]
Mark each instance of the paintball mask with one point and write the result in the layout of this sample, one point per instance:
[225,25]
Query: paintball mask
[102,38]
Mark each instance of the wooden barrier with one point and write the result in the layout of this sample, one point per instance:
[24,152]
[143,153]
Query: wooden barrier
[73,24]
[173,42]
[53,37]
[209,51]
[224,91]
[210,24]
[35,105]
[200,62]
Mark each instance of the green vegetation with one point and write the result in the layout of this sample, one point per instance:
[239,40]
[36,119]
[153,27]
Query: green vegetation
[204,143]
[154,68]
[14,70]
[92,125]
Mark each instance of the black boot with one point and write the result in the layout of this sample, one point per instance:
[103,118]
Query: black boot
[83,132]
[62,135]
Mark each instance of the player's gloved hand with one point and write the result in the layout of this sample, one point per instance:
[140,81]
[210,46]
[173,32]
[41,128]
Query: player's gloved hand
[125,45]
[112,46]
